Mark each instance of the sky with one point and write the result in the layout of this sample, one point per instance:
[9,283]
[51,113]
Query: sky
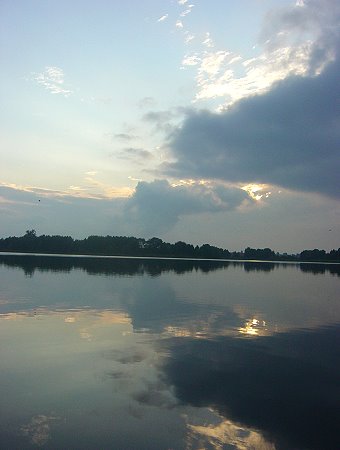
[206,121]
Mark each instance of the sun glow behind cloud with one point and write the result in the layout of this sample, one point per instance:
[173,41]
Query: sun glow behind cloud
[92,189]
[255,191]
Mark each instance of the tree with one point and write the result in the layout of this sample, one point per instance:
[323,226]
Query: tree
[30,234]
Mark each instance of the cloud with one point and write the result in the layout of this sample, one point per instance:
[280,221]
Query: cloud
[166,120]
[185,13]
[157,206]
[299,39]
[191,60]
[227,433]
[146,102]
[55,212]
[15,192]
[102,190]
[212,62]
[124,136]
[208,42]
[162,18]
[52,79]
[188,9]
[103,100]
[188,37]
[262,384]
[151,209]
[155,394]
[313,20]
[138,154]
[260,72]
[162,120]
[39,429]
[288,137]
[133,357]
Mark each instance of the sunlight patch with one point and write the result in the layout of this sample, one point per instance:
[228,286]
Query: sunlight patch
[255,189]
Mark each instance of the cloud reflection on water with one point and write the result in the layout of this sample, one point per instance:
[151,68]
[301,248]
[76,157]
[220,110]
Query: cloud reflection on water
[286,385]
[223,359]
[39,429]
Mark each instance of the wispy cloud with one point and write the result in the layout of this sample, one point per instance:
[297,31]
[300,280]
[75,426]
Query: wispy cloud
[162,18]
[91,173]
[135,154]
[39,191]
[89,188]
[188,37]
[52,79]
[134,179]
[124,136]
[208,42]
[162,121]
[104,190]
[186,12]
[191,60]
[146,102]
[103,100]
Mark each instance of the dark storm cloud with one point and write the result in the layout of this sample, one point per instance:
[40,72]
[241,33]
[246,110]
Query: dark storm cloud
[157,206]
[289,136]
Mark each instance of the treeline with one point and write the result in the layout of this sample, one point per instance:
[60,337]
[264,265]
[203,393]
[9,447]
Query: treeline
[132,246]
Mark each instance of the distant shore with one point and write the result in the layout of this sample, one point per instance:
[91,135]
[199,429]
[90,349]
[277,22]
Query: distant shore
[132,247]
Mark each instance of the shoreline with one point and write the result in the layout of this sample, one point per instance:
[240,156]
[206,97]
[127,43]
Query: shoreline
[168,258]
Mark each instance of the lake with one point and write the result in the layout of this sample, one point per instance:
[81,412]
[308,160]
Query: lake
[123,353]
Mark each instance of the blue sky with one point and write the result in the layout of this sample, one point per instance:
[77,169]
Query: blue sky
[204,121]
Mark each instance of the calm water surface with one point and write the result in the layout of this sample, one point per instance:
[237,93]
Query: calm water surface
[155,354]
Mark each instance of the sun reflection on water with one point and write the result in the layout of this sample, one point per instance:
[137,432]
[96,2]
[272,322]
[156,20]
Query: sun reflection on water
[225,433]
[254,327]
